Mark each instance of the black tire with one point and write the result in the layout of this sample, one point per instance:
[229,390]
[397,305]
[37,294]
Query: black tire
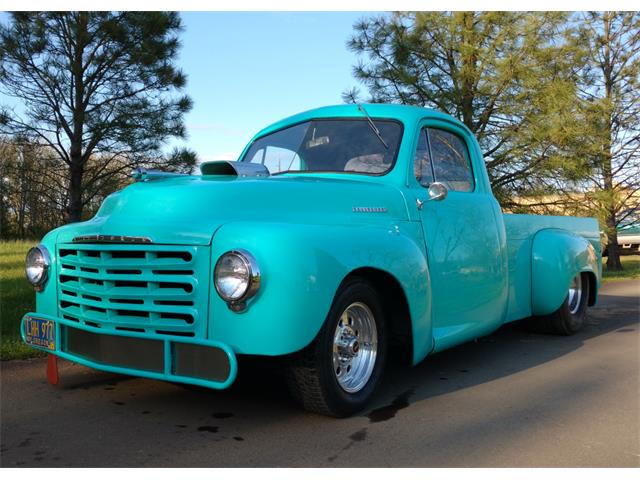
[563,321]
[310,374]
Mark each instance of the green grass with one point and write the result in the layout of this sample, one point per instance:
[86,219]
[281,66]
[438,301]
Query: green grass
[16,299]
[630,265]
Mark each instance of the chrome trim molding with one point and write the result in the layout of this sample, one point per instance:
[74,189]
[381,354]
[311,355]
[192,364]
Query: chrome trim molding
[143,175]
[110,239]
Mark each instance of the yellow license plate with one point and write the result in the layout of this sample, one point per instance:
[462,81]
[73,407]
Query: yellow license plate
[40,332]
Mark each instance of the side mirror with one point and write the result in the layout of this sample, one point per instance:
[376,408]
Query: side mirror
[437,191]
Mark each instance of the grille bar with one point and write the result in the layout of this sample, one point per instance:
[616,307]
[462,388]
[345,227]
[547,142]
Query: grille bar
[163,262]
[133,292]
[147,288]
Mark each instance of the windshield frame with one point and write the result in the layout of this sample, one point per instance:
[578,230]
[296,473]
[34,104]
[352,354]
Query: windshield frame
[392,165]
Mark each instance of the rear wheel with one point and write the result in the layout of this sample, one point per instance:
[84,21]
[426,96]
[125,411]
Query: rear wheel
[570,317]
[337,374]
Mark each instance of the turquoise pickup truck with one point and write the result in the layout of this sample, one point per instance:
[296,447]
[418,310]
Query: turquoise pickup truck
[341,236]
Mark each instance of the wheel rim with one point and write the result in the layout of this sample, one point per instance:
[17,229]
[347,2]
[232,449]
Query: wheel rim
[575,294]
[355,347]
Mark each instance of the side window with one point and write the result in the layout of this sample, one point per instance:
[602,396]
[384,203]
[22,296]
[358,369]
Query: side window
[422,161]
[277,159]
[451,163]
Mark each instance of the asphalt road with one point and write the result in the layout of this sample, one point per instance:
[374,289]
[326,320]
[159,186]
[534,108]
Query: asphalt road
[511,399]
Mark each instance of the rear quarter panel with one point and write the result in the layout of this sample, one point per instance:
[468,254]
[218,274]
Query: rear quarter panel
[545,253]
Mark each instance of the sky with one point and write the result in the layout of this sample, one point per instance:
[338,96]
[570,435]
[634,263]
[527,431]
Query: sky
[246,70]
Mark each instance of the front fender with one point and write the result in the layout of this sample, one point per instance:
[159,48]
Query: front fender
[558,256]
[302,267]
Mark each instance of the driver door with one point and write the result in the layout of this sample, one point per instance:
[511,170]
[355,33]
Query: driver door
[461,237]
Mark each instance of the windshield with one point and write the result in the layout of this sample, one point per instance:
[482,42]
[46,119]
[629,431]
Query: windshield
[343,145]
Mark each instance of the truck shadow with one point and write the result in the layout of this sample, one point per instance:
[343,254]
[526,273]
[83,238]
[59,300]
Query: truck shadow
[512,349]
[260,391]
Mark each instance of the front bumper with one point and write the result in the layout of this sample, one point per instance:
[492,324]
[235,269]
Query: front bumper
[206,363]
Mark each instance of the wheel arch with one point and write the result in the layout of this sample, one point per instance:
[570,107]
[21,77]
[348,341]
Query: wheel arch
[303,267]
[593,288]
[396,308]
[558,256]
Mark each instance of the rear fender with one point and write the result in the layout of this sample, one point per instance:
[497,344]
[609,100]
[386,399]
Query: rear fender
[558,256]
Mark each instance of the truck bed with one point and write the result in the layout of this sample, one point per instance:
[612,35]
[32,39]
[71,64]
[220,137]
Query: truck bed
[520,230]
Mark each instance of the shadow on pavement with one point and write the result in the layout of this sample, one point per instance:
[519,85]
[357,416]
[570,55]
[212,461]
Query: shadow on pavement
[507,351]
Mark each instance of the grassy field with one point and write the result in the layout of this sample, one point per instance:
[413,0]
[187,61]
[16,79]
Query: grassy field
[17,297]
[630,265]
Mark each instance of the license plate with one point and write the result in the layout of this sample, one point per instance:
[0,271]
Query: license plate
[40,332]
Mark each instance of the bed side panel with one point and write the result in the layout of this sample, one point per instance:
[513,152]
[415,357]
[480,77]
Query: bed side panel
[521,230]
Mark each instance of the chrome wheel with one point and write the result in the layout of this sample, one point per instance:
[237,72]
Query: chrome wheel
[355,347]
[575,294]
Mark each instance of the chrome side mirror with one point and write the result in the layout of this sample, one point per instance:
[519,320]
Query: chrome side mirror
[139,174]
[437,191]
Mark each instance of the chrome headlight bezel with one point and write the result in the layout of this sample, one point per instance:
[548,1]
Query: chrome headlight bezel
[36,254]
[238,302]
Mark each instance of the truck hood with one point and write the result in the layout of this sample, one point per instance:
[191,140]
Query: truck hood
[188,210]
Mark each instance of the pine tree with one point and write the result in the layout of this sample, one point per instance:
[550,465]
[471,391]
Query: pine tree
[609,88]
[92,83]
[508,76]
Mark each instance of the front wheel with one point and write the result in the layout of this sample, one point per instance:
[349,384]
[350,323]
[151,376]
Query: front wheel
[337,374]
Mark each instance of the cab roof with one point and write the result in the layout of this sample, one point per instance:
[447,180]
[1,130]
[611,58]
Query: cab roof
[407,114]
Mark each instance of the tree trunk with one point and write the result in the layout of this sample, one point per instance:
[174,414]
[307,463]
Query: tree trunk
[76,169]
[613,258]
[22,206]
[468,70]
[74,209]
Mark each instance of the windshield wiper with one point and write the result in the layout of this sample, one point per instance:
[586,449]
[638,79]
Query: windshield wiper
[373,126]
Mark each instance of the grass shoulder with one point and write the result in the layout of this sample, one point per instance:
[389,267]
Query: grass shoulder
[16,299]
[630,269]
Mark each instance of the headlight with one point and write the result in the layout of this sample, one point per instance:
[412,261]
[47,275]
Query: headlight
[236,278]
[37,266]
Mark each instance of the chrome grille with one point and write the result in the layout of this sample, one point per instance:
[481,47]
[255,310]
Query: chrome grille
[157,289]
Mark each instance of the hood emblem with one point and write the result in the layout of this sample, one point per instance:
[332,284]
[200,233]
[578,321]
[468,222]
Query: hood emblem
[370,209]
[110,239]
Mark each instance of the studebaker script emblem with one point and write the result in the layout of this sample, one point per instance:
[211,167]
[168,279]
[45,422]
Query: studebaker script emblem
[110,239]
[370,209]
